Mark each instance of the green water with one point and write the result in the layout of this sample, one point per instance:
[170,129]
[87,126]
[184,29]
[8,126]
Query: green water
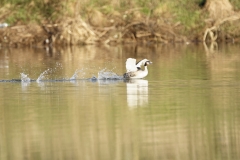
[188,107]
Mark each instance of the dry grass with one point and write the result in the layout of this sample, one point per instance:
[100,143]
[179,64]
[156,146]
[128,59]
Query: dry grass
[221,12]
[76,31]
[219,9]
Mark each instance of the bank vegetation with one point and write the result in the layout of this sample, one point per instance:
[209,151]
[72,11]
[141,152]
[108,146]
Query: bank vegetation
[74,22]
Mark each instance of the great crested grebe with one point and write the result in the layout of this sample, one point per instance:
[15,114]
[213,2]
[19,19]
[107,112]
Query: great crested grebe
[134,69]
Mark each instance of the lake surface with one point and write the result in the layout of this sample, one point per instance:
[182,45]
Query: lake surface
[188,107]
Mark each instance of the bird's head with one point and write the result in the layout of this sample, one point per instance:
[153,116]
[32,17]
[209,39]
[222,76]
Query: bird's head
[147,63]
[143,62]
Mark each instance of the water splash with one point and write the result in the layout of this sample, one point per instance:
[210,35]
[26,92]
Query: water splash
[105,74]
[42,75]
[24,78]
[75,75]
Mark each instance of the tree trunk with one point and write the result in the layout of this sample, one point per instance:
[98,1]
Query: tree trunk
[219,9]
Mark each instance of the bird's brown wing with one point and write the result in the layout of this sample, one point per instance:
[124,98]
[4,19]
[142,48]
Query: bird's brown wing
[129,75]
[132,74]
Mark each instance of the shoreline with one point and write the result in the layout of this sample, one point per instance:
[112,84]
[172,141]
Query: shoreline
[164,23]
[54,35]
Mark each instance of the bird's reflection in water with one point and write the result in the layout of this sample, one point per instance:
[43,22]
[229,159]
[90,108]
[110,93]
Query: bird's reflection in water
[137,92]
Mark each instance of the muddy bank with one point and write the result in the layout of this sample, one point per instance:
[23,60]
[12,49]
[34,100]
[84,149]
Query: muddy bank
[75,31]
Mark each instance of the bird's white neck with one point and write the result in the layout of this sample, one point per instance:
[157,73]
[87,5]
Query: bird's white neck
[140,63]
[145,69]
